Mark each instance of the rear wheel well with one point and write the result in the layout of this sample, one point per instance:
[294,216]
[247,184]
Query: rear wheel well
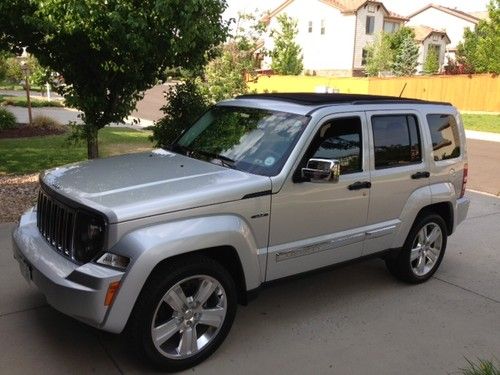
[228,257]
[443,209]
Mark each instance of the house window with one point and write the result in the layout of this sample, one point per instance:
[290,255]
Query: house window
[370,25]
[436,48]
[390,27]
[435,37]
[323,28]
[310,27]
[364,57]
[371,8]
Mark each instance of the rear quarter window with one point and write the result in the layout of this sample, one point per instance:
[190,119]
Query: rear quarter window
[444,135]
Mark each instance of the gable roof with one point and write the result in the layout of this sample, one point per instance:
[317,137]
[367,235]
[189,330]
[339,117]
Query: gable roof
[453,11]
[345,6]
[423,32]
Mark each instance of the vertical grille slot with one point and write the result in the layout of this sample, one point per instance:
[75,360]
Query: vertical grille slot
[56,222]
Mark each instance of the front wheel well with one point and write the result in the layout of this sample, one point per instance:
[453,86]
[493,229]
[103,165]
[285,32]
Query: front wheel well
[228,257]
[443,209]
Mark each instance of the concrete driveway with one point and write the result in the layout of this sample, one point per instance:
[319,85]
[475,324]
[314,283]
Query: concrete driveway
[352,320]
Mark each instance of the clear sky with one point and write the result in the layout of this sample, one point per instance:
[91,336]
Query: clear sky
[403,7]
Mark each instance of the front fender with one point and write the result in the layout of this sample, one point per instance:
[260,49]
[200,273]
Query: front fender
[147,247]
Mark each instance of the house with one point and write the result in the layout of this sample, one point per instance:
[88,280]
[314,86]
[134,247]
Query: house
[450,20]
[428,39]
[333,34]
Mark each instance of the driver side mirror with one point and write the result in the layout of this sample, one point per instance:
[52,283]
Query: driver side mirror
[322,170]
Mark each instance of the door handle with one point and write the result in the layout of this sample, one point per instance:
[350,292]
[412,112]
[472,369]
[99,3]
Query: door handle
[419,175]
[360,185]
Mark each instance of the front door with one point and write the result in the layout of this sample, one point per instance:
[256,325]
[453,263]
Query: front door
[317,224]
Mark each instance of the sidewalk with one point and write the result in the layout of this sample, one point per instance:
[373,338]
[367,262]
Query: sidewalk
[482,136]
[66,115]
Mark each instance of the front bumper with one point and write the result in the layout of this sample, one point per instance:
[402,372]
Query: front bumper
[75,290]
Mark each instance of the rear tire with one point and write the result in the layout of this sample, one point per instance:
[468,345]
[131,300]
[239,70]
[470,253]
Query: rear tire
[422,251]
[183,313]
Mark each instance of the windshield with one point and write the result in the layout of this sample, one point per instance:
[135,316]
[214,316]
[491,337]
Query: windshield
[252,140]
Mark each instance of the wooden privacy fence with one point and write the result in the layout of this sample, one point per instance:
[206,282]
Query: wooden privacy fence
[479,92]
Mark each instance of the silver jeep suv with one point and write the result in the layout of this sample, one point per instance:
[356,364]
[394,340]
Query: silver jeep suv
[167,243]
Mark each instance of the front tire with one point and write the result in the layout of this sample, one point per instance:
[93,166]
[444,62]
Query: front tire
[422,252]
[184,313]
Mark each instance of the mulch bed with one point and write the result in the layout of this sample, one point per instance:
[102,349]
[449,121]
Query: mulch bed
[17,194]
[24,131]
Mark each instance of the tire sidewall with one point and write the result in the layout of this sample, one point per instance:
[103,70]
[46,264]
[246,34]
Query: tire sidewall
[431,218]
[157,289]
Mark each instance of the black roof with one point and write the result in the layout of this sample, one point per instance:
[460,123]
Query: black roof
[324,99]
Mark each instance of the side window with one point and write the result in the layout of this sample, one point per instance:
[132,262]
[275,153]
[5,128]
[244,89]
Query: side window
[396,140]
[444,135]
[340,139]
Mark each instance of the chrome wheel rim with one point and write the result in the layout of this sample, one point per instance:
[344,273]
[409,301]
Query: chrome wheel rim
[188,317]
[426,249]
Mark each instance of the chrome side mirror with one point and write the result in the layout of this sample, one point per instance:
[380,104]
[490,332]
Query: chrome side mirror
[322,170]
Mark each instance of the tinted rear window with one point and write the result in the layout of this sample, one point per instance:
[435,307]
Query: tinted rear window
[444,135]
[396,140]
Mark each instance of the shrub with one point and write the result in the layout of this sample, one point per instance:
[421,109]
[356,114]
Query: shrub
[482,367]
[7,119]
[185,103]
[48,123]
[21,101]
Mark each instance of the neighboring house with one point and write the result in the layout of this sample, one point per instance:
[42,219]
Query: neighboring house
[333,34]
[428,39]
[452,21]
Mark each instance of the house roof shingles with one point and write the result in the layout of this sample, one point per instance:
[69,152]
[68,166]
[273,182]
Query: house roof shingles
[423,32]
[453,11]
[345,6]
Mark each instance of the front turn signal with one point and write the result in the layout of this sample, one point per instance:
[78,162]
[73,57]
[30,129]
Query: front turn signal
[110,294]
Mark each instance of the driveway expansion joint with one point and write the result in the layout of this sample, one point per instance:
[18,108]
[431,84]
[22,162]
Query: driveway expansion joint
[24,310]
[466,290]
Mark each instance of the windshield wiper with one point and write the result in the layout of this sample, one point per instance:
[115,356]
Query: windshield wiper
[224,160]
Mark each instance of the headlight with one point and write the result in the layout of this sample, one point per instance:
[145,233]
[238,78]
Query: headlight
[90,232]
[113,260]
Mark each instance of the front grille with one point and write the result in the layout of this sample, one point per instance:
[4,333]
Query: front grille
[56,223]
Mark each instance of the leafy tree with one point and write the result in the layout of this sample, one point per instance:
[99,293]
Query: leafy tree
[380,56]
[431,62]
[185,103]
[109,52]
[287,55]
[480,49]
[405,52]
[225,75]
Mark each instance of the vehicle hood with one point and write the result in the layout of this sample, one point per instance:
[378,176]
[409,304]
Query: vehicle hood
[132,186]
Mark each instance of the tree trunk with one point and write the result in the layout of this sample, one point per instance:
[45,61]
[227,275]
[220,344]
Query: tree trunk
[92,143]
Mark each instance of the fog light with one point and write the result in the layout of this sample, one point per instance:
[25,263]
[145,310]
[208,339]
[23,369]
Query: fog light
[113,260]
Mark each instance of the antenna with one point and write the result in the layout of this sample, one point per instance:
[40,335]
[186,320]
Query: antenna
[403,90]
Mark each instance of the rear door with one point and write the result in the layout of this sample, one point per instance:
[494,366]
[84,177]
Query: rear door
[399,168]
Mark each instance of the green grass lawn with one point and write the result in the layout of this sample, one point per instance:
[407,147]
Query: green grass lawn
[21,101]
[484,123]
[31,155]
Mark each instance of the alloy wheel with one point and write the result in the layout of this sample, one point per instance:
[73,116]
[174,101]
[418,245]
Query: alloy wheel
[426,249]
[189,317]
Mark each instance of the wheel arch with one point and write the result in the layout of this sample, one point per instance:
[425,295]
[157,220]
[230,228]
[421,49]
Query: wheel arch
[224,238]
